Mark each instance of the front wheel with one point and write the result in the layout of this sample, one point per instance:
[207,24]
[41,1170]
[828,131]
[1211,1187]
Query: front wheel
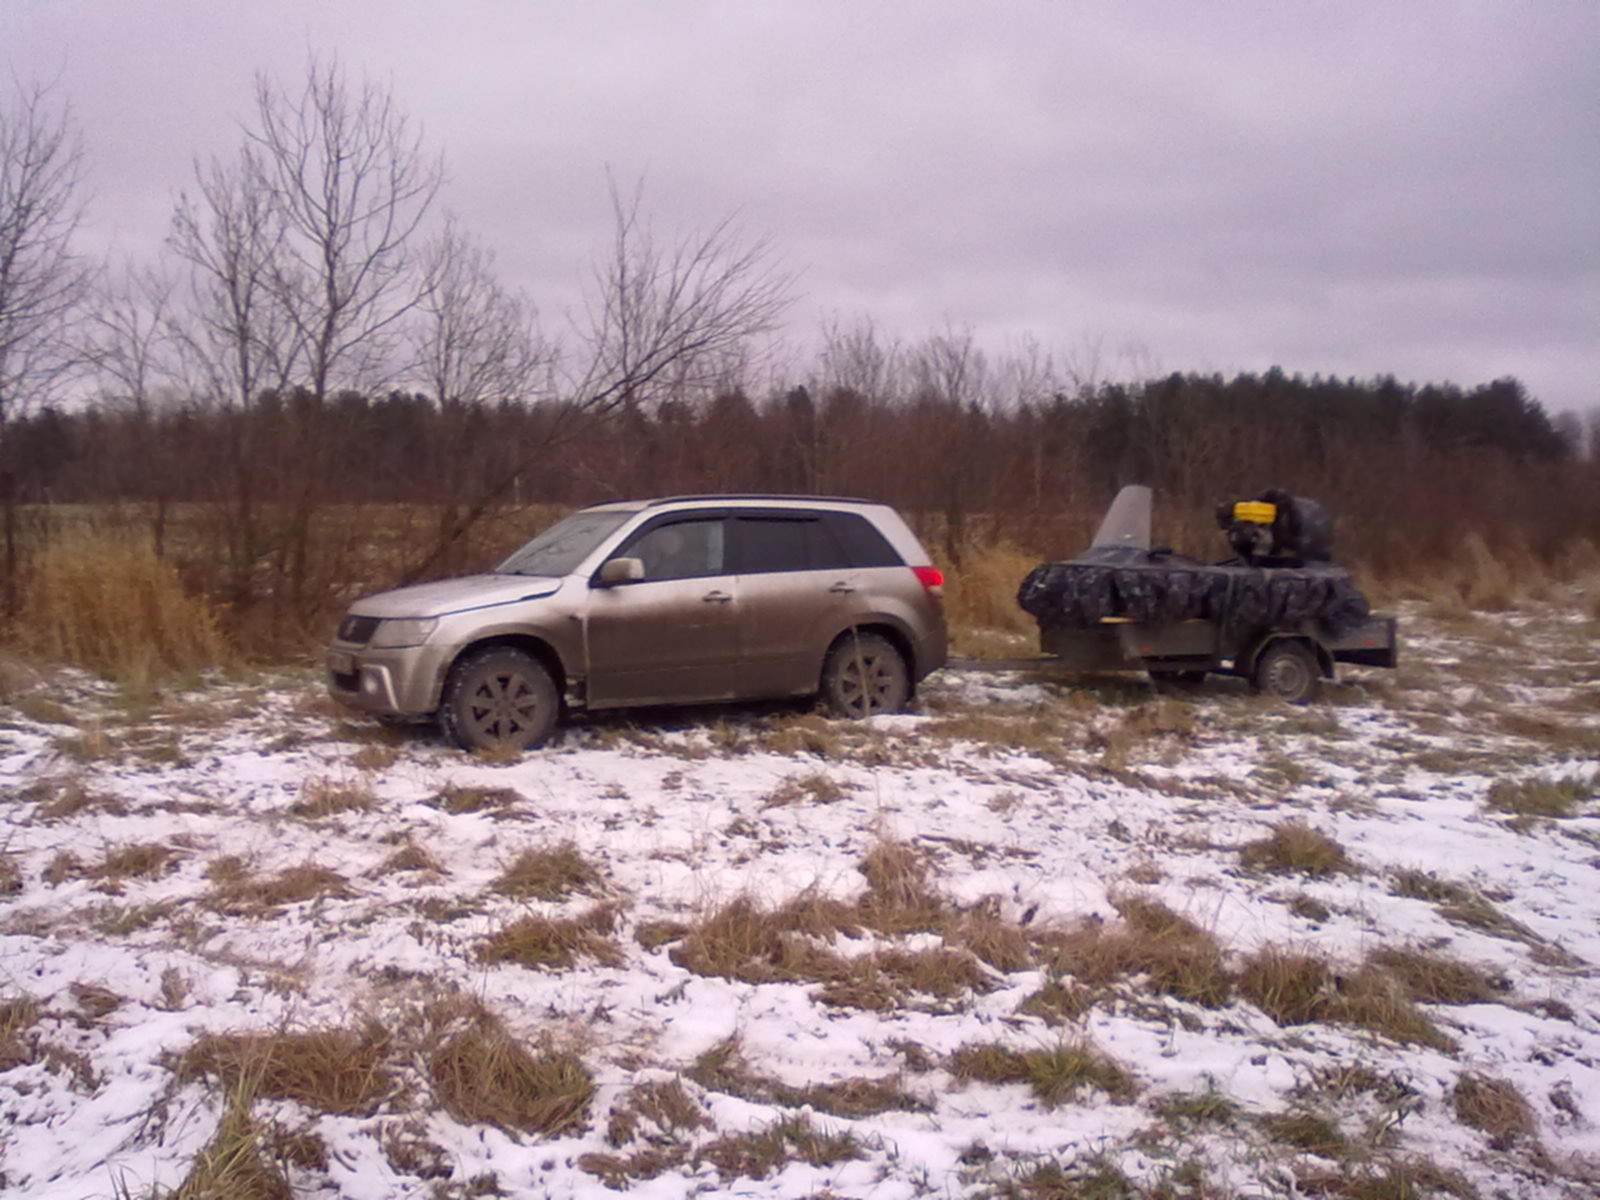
[499,699]
[1288,670]
[864,674]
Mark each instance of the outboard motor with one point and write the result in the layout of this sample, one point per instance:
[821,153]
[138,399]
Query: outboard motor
[1277,529]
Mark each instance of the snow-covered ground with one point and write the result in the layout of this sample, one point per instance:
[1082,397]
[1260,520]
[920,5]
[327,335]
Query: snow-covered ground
[132,841]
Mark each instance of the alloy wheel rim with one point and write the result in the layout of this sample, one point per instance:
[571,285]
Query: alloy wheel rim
[503,706]
[866,683]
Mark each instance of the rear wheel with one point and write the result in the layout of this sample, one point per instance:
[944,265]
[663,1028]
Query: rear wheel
[499,699]
[864,674]
[1288,670]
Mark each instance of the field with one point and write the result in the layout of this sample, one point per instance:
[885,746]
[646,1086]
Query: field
[1035,939]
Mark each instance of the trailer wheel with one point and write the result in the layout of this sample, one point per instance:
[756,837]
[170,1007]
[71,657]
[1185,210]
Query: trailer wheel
[1288,670]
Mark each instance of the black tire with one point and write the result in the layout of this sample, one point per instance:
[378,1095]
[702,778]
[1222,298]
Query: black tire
[499,699]
[864,674]
[1288,670]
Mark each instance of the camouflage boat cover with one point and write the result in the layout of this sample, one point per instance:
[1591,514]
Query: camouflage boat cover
[1157,587]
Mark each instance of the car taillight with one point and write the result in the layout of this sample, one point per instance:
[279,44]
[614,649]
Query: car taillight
[931,578]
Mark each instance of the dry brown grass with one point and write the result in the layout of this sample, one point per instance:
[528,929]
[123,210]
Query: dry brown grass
[476,799]
[899,899]
[1306,1130]
[1425,885]
[1543,797]
[410,857]
[1294,847]
[10,874]
[140,860]
[248,896]
[723,1068]
[334,1070]
[1295,988]
[109,604]
[742,941]
[654,1111]
[890,978]
[549,873]
[321,797]
[61,799]
[1432,978]
[1178,957]
[1292,988]
[18,1015]
[1495,1106]
[980,593]
[555,943]
[1056,1074]
[814,788]
[481,1074]
[236,1164]
[761,1153]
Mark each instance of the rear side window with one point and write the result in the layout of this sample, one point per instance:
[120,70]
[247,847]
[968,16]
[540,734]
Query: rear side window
[764,544]
[864,545]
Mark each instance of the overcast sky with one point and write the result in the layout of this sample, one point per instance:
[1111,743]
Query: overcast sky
[1348,188]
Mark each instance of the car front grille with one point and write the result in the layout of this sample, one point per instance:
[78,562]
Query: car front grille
[357,631]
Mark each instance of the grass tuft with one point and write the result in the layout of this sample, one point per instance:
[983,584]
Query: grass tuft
[1495,1106]
[1431,978]
[320,798]
[1056,1075]
[334,1070]
[551,873]
[267,896]
[1294,847]
[460,800]
[109,604]
[235,1164]
[555,943]
[761,1153]
[1543,797]
[1296,989]
[482,1075]
[1178,958]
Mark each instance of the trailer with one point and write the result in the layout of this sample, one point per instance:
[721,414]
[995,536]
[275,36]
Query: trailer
[1279,613]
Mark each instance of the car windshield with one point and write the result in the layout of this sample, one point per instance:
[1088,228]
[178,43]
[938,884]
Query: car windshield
[559,549]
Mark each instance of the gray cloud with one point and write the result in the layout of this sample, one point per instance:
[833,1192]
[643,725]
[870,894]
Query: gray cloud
[1351,189]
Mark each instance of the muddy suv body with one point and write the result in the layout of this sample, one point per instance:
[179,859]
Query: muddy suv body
[682,600]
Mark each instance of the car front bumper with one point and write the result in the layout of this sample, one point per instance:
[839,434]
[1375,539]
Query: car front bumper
[401,682]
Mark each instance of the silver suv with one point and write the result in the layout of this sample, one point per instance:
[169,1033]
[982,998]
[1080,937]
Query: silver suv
[690,599]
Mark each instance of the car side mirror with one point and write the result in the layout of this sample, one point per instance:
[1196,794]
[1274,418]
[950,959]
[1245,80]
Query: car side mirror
[619,570]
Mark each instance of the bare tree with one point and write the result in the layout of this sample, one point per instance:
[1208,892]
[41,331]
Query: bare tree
[235,340]
[42,279]
[676,312]
[661,318]
[473,341]
[346,178]
[126,340]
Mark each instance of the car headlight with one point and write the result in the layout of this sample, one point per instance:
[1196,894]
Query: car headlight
[397,633]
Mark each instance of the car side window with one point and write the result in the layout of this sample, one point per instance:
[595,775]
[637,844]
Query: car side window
[864,545]
[679,550]
[767,544]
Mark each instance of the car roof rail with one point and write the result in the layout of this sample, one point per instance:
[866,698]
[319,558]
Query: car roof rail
[761,496]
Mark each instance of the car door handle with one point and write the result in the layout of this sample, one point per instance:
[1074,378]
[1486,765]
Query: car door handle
[716,597]
[841,588]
